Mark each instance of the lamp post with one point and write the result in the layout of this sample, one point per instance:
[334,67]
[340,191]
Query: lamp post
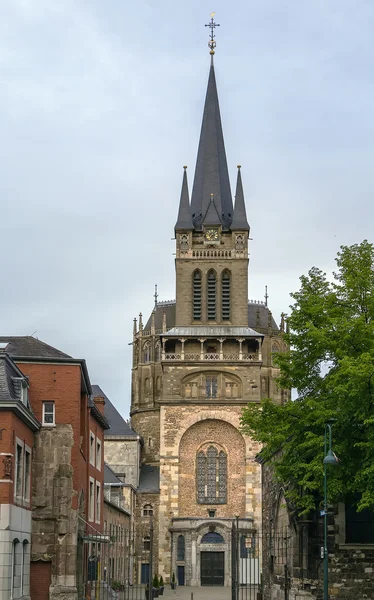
[329,459]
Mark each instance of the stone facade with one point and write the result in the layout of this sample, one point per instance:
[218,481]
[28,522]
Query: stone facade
[197,363]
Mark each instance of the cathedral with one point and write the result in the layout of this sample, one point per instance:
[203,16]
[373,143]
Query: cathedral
[197,362]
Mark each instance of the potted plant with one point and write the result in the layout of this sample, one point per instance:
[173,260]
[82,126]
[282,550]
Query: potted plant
[173,581]
[156,586]
[161,586]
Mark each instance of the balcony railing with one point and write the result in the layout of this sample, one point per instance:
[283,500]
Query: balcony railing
[212,357]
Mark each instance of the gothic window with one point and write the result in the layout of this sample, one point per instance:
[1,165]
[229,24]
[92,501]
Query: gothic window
[226,284]
[212,538]
[197,295]
[212,293]
[274,350]
[147,510]
[211,476]
[147,352]
[211,387]
[239,242]
[184,242]
[180,548]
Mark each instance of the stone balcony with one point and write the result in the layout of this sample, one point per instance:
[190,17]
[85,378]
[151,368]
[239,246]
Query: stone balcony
[209,357]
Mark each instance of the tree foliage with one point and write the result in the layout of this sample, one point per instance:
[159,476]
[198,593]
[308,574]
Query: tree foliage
[330,363]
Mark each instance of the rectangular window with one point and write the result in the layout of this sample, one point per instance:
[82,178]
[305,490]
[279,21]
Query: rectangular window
[98,502]
[91,509]
[19,471]
[92,448]
[26,488]
[48,413]
[98,454]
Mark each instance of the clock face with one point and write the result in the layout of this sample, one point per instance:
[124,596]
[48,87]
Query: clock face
[211,235]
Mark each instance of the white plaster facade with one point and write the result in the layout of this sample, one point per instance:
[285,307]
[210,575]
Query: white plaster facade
[15,539]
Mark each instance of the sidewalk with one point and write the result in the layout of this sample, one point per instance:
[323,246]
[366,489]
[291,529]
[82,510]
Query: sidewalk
[199,593]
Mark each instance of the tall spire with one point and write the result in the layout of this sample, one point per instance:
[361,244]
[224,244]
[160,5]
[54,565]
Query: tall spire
[239,220]
[184,220]
[211,174]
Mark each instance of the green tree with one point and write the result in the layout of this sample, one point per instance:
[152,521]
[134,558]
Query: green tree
[330,363]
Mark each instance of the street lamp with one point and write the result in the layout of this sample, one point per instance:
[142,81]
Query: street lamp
[329,459]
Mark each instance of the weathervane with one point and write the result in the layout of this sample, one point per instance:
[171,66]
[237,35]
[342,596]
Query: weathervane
[212,25]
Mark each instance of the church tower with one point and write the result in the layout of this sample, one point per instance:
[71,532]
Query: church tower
[196,363]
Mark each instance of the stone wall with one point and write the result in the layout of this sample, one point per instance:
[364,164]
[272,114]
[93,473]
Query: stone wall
[54,526]
[122,454]
[350,565]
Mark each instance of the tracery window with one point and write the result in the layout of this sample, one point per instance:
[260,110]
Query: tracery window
[180,547]
[197,295]
[211,476]
[225,300]
[147,352]
[211,298]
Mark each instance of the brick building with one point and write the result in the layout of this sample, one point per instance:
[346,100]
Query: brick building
[17,427]
[67,464]
[197,362]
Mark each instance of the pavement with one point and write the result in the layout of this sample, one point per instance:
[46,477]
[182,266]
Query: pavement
[197,593]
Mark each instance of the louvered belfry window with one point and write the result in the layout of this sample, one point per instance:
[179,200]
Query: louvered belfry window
[212,293]
[197,296]
[226,284]
[211,476]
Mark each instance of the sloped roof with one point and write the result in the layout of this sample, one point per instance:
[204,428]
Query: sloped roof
[149,480]
[211,173]
[12,380]
[117,424]
[240,214]
[27,345]
[258,316]
[184,220]
[110,476]
[169,308]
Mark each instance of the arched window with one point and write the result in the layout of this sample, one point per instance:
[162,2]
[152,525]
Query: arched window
[147,510]
[211,476]
[25,568]
[147,352]
[211,298]
[180,548]
[212,538]
[16,569]
[225,300]
[197,296]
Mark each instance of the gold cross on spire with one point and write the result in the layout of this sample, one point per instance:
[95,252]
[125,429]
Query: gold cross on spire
[212,25]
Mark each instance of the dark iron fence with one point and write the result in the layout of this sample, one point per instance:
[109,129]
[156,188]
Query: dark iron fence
[107,566]
[252,554]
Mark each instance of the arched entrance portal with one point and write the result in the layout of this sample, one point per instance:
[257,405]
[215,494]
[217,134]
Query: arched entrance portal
[212,559]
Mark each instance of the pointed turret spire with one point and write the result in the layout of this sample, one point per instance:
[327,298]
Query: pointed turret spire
[240,216]
[211,174]
[184,220]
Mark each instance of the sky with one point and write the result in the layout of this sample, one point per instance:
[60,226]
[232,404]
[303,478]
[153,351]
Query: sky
[100,108]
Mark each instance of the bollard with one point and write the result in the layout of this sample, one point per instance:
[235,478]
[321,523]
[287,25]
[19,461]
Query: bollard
[191,595]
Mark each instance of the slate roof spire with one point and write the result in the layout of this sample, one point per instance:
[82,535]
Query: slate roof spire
[240,215]
[184,220]
[211,174]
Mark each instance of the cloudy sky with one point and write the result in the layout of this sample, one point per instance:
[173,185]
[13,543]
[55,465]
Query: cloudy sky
[100,107]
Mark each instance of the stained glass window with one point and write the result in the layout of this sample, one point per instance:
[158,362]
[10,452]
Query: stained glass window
[180,548]
[211,477]
[212,538]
